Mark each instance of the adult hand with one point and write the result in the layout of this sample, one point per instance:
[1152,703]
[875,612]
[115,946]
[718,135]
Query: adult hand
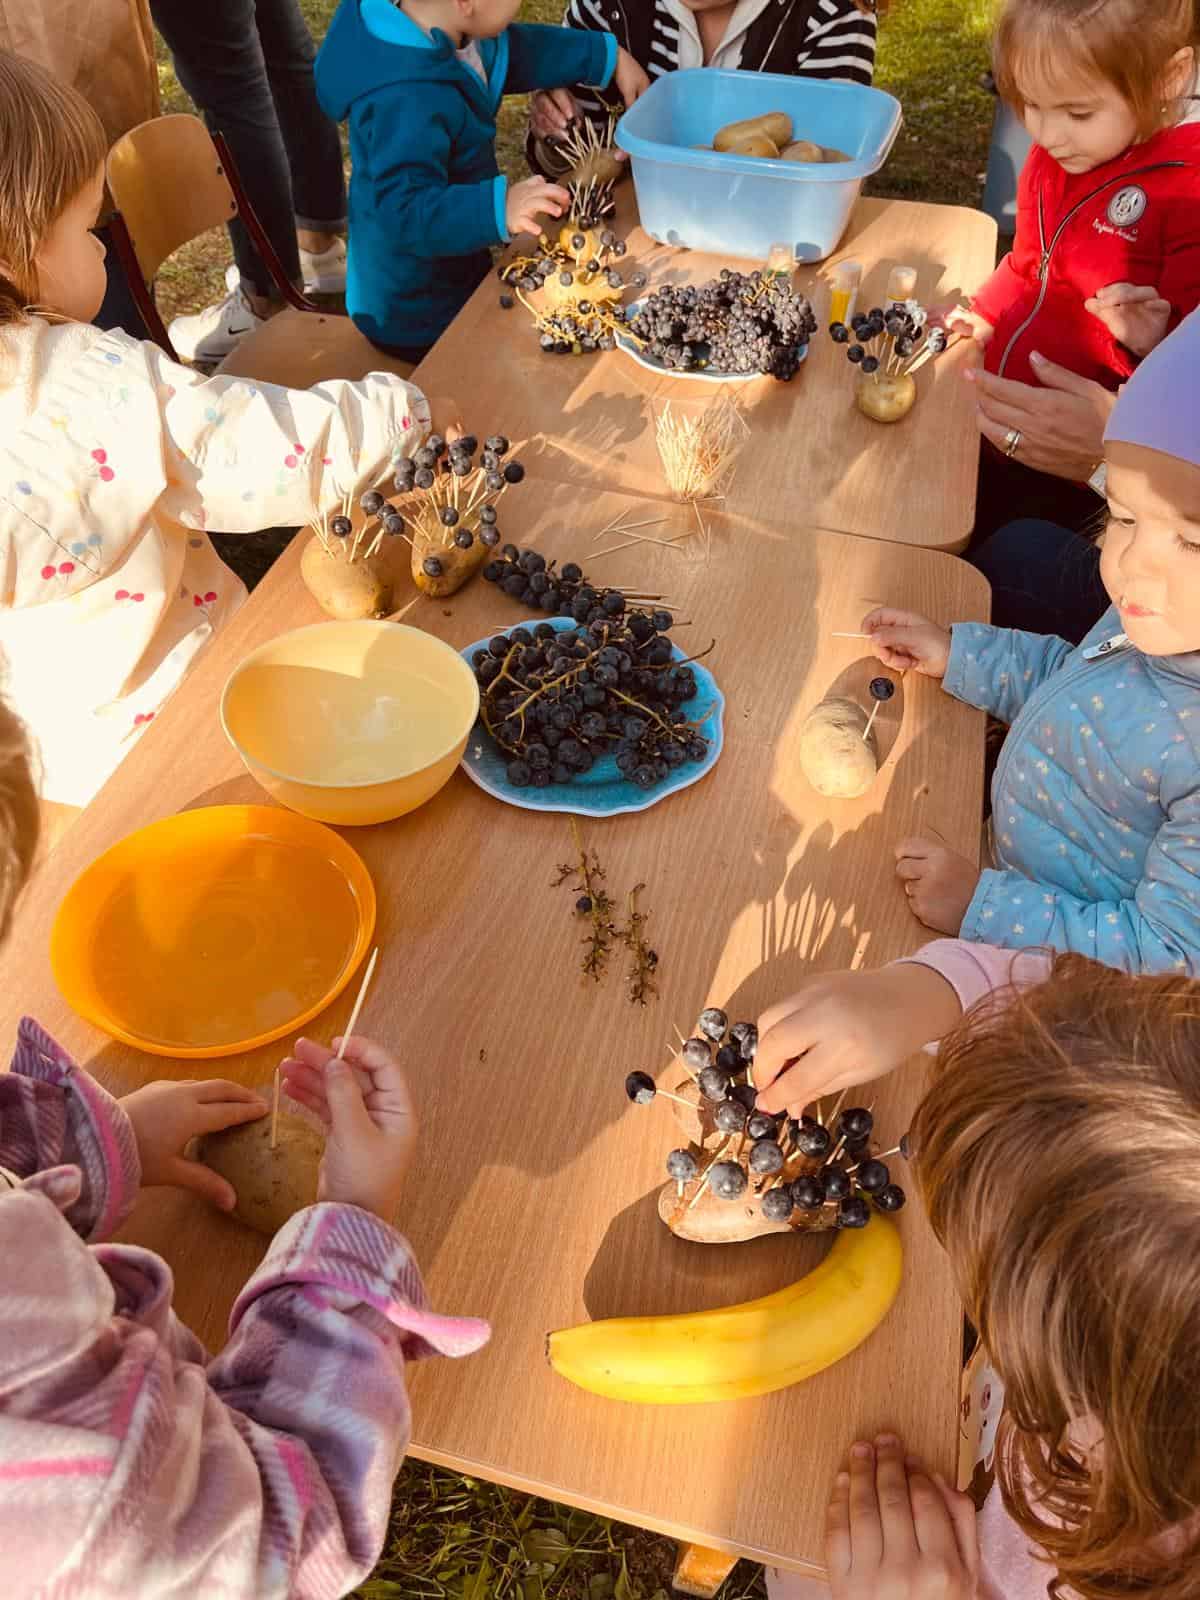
[551,112]
[846,1028]
[531,199]
[895,1532]
[904,639]
[365,1106]
[166,1117]
[630,77]
[1061,423]
[1135,314]
[938,881]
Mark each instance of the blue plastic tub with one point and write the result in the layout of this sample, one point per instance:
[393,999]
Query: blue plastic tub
[738,205]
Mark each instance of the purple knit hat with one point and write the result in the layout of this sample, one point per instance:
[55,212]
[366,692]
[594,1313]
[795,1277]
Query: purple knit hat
[1160,405]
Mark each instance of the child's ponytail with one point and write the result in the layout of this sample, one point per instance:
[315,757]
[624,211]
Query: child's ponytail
[52,144]
[1058,1154]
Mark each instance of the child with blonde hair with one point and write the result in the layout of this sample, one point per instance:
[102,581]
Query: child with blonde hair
[130,1462]
[114,461]
[1057,1155]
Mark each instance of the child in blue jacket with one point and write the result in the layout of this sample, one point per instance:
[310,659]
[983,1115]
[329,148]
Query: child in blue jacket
[1096,797]
[420,83]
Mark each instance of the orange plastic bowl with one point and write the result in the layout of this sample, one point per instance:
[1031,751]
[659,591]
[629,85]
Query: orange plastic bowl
[214,931]
[351,722]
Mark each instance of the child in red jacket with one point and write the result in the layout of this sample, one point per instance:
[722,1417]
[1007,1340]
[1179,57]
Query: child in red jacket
[1106,258]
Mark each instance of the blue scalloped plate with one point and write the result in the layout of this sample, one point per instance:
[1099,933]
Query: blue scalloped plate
[701,374]
[602,792]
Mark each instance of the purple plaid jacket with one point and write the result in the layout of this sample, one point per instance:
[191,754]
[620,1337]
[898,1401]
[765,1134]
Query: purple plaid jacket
[132,1467]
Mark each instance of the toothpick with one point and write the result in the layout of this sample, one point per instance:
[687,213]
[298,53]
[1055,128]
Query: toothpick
[275,1112]
[678,1035]
[665,1094]
[358,1004]
[849,635]
[397,615]
[871,720]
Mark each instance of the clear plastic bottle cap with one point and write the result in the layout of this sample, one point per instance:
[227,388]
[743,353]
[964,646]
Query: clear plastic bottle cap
[902,285]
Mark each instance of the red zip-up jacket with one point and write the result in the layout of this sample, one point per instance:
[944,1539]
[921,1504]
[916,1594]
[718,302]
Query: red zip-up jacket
[1135,219]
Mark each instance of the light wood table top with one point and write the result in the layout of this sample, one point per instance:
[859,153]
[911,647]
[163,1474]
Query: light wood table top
[532,1201]
[814,457]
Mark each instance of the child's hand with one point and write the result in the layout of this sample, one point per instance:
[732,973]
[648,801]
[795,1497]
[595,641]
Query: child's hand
[631,80]
[167,1116]
[365,1106]
[530,199]
[903,639]
[551,113]
[893,1532]
[970,324]
[1136,316]
[846,1028]
[938,881]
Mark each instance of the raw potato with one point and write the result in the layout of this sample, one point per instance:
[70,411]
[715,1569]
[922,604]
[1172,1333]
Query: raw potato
[599,166]
[803,150]
[756,145]
[834,756]
[886,397]
[458,566]
[713,1221]
[774,125]
[271,1185]
[344,589]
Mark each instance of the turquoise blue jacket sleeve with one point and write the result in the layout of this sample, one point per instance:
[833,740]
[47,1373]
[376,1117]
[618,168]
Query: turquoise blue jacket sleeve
[432,217]
[1155,931]
[541,57]
[997,669]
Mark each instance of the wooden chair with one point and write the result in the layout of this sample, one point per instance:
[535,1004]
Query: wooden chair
[171,180]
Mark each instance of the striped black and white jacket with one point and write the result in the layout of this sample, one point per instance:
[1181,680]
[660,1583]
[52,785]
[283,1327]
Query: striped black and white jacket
[817,38]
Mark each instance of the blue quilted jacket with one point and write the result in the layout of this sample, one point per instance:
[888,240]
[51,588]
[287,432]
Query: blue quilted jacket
[1096,798]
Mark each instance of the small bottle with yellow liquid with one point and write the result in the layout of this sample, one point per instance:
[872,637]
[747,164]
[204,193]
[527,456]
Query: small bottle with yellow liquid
[844,281]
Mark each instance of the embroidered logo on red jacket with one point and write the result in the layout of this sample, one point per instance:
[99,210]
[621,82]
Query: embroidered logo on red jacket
[1127,206]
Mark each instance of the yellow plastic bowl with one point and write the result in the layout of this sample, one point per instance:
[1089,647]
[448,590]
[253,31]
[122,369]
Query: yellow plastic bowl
[351,722]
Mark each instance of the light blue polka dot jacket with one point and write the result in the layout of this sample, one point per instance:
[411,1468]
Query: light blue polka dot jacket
[1096,797]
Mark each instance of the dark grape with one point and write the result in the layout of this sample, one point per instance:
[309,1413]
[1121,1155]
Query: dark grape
[892,1198]
[777,1205]
[836,1180]
[855,1123]
[682,1166]
[853,1212]
[639,1086]
[727,1180]
[872,1176]
[808,1193]
[713,1023]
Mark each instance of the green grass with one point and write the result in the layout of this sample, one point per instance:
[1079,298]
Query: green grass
[452,1538]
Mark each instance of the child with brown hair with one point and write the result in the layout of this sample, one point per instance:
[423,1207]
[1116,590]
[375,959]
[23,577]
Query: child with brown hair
[1057,1154]
[130,1462]
[114,461]
[1106,258]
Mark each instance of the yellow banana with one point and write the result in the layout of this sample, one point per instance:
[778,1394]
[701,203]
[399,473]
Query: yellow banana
[744,1349]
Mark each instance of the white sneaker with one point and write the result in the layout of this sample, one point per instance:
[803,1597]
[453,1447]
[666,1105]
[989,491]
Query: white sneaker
[324,272]
[211,334]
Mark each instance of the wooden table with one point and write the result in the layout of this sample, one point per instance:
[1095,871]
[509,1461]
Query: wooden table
[533,1199]
[813,457]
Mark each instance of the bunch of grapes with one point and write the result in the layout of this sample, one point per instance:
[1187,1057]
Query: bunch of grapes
[804,1172]
[737,323]
[558,700]
[527,576]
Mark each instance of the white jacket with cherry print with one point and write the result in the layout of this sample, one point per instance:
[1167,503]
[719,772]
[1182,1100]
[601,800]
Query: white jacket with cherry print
[113,463]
